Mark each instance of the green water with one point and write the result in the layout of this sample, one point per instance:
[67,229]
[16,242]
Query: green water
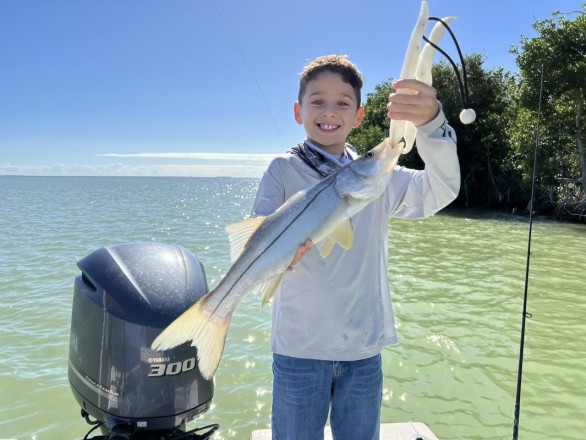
[457,278]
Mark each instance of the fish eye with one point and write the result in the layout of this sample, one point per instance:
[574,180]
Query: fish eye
[369,154]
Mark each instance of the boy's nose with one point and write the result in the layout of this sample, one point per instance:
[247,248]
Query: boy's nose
[329,111]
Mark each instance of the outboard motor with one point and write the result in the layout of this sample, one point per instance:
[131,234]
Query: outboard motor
[125,296]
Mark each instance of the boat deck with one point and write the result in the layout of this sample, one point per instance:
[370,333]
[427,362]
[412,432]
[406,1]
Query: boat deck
[388,431]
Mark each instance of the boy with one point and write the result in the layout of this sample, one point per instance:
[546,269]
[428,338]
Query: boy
[333,316]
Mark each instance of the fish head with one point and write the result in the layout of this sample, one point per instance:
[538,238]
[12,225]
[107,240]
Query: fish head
[366,177]
[378,162]
[387,154]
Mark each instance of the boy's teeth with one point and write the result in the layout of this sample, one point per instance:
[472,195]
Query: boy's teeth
[328,127]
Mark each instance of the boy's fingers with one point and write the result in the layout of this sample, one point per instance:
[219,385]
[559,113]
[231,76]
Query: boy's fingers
[414,84]
[301,251]
[419,108]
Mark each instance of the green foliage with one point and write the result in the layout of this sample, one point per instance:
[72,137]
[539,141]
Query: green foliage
[375,124]
[560,52]
[488,176]
[483,146]
[496,152]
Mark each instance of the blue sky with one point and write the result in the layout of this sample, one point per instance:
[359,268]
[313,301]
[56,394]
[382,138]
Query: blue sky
[114,86]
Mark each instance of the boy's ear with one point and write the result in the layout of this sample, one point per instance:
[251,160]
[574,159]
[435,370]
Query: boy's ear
[359,116]
[297,111]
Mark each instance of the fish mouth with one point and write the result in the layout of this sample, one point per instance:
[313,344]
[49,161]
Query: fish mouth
[328,127]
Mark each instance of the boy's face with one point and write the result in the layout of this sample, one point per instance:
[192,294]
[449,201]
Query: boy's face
[328,111]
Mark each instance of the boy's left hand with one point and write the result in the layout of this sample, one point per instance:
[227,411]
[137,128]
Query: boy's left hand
[301,251]
[415,102]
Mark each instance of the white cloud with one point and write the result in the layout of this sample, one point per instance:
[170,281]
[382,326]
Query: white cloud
[183,165]
[196,156]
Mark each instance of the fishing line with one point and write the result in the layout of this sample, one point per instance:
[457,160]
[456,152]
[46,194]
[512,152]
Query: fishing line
[264,98]
[462,83]
[526,315]
[467,115]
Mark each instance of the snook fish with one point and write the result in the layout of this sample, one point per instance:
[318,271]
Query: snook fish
[263,247]
[266,246]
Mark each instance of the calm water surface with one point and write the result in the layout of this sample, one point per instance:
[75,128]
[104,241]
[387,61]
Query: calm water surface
[457,279]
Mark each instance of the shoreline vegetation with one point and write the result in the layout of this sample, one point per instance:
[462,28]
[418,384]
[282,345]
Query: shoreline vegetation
[539,110]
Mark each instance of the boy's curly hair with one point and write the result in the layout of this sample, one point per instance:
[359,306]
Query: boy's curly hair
[335,64]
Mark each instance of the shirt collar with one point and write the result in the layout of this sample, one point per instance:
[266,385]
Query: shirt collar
[348,155]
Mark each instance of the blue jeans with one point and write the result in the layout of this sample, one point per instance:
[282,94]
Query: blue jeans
[303,390]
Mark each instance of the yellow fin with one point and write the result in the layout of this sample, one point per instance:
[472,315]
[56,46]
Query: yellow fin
[206,331]
[239,234]
[343,234]
[267,290]
[325,246]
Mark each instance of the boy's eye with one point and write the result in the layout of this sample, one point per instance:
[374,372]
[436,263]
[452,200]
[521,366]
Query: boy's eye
[320,102]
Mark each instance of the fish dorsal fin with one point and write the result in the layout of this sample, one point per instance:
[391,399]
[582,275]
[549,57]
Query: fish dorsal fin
[267,290]
[239,234]
[343,234]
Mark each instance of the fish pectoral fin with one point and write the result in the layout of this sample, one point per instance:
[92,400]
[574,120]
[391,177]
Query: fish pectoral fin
[343,234]
[240,233]
[267,290]
[325,246]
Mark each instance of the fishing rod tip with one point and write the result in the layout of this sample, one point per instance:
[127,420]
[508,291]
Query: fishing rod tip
[467,116]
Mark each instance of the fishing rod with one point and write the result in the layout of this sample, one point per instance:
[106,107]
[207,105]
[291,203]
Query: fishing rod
[526,315]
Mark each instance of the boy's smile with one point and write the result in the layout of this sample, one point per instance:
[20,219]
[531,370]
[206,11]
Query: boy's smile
[328,111]
[328,127]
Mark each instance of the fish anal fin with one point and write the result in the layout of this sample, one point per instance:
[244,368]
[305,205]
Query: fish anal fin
[206,331]
[267,290]
[240,233]
[343,234]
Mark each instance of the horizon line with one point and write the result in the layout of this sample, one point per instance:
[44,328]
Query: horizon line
[193,155]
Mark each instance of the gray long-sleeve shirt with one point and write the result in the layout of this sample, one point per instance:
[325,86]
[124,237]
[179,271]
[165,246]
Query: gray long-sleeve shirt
[339,307]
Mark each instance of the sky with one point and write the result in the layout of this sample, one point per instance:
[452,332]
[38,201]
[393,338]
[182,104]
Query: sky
[202,87]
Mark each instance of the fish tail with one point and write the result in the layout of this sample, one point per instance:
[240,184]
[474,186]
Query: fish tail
[205,330]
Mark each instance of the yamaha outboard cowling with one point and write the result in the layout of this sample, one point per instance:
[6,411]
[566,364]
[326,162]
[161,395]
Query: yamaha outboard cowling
[125,296]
